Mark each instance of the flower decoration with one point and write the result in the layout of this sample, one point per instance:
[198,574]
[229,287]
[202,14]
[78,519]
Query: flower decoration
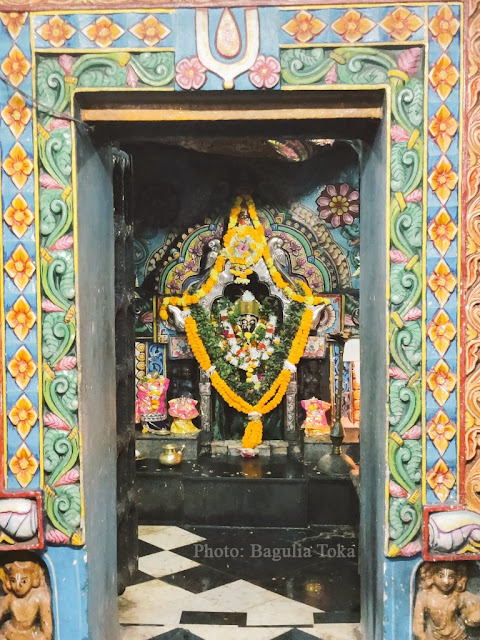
[442,127]
[150,30]
[23,416]
[22,367]
[14,22]
[443,179]
[443,76]
[21,318]
[103,32]
[444,26]
[338,204]
[442,230]
[304,26]
[18,165]
[16,114]
[441,381]
[441,331]
[442,282]
[440,431]
[20,267]
[56,31]
[190,73]
[265,73]
[18,216]
[401,23]
[23,465]
[352,25]
[16,66]
[441,480]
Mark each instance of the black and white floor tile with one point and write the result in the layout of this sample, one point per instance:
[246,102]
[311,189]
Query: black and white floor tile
[207,583]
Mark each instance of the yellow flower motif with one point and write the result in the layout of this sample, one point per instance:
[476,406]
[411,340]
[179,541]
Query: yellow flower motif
[441,331]
[22,367]
[150,30]
[23,465]
[18,165]
[441,381]
[352,26]
[442,230]
[441,480]
[23,416]
[401,23]
[442,282]
[443,76]
[441,430]
[103,31]
[20,267]
[444,26]
[443,179]
[443,126]
[21,318]
[16,114]
[16,66]
[14,22]
[56,31]
[18,216]
[304,26]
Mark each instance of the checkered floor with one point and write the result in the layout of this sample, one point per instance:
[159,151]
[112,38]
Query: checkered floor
[182,592]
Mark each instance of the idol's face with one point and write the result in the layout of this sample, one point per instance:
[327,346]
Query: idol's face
[445,580]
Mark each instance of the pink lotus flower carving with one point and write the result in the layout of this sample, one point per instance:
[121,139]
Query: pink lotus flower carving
[265,73]
[338,204]
[190,73]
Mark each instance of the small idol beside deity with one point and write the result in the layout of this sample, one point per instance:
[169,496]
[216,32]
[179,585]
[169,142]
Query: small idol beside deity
[315,423]
[151,392]
[183,410]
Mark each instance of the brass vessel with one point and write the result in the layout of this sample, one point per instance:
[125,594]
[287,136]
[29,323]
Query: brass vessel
[171,455]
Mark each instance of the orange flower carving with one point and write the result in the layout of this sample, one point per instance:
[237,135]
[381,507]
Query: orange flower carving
[23,416]
[443,127]
[443,76]
[22,367]
[352,26]
[401,23]
[20,267]
[13,22]
[441,382]
[441,430]
[442,230]
[441,480]
[56,31]
[23,465]
[103,31]
[443,179]
[150,30]
[442,282]
[444,26]
[15,66]
[304,26]
[16,114]
[21,318]
[441,331]
[18,216]
[18,165]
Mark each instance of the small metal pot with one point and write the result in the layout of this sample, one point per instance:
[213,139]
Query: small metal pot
[171,455]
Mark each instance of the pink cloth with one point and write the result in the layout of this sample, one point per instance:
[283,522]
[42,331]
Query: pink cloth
[184,408]
[151,392]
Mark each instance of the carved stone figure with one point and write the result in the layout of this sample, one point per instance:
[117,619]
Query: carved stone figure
[27,605]
[443,607]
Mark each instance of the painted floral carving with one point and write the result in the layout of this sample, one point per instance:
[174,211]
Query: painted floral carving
[18,165]
[444,76]
[21,318]
[16,66]
[442,230]
[18,216]
[443,179]
[352,26]
[16,114]
[441,431]
[338,204]
[22,367]
[442,282]
[150,30]
[441,480]
[56,31]
[265,73]
[20,267]
[23,465]
[444,26]
[14,22]
[103,31]
[23,416]
[401,23]
[304,26]
[441,331]
[442,127]
[441,381]
[190,73]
